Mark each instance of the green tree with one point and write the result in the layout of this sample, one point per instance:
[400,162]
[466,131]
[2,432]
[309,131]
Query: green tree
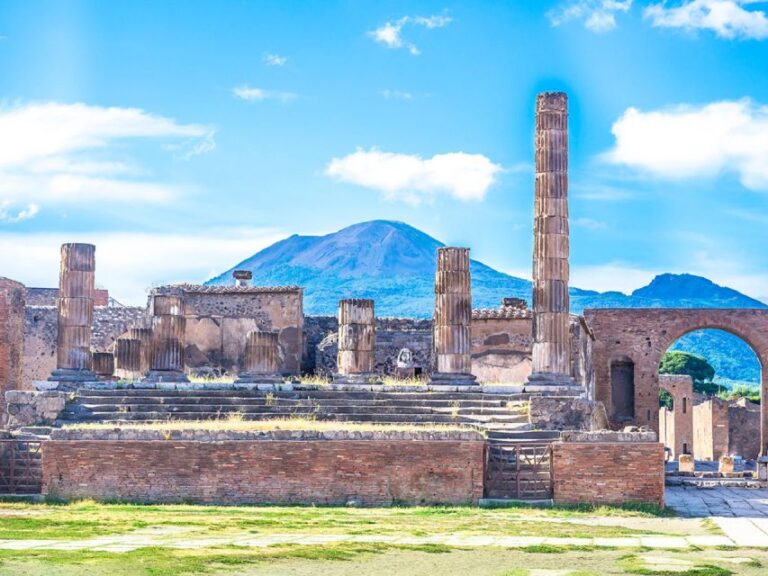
[701,371]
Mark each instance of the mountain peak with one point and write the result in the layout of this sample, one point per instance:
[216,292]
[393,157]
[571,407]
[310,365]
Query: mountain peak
[688,287]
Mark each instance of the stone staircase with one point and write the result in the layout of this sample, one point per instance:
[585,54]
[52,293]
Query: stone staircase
[517,451]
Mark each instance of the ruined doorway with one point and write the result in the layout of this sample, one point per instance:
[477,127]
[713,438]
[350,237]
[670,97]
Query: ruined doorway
[623,390]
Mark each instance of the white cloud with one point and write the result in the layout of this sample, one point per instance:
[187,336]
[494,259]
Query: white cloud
[600,192]
[23,214]
[390,34]
[598,15]
[56,152]
[726,18]
[250,94]
[128,263]
[589,224]
[396,95]
[412,179]
[274,60]
[693,141]
[612,276]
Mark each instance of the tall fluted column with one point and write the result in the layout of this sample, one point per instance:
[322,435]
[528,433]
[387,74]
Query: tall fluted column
[551,336]
[452,324]
[128,358]
[75,305]
[262,358]
[168,327]
[356,359]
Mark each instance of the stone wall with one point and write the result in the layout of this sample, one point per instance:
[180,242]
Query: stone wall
[366,468]
[608,472]
[566,413]
[49,297]
[392,335]
[40,329]
[501,345]
[218,318]
[11,337]
[28,408]
[710,429]
[743,429]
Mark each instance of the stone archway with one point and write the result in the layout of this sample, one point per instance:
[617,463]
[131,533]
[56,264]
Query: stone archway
[644,334]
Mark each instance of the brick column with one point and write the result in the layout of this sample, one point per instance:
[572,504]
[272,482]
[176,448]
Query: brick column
[75,305]
[452,324]
[12,302]
[551,336]
[356,359]
[128,359]
[104,364]
[168,327]
[262,358]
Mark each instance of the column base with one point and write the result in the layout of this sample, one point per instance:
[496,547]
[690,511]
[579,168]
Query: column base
[165,376]
[259,378]
[361,378]
[552,384]
[453,379]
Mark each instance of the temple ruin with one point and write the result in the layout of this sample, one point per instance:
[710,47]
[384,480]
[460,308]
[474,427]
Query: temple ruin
[548,404]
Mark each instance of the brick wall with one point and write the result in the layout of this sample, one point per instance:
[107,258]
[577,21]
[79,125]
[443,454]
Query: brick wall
[373,472]
[608,472]
[676,426]
[711,429]
[743,424]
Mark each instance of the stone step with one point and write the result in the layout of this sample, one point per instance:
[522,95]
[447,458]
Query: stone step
[280,401]
[511,436]
[164,416]
[478,396]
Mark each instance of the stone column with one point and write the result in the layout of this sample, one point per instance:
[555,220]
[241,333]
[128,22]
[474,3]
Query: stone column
[551,337]
[104,364]
[262,359]
[144,336]
[75,304]
[452,324]
[356,359]
[168,326]
[12,303]
[128,359]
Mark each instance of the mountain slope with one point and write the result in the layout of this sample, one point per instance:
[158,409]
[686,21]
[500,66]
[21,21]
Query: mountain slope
[394,264]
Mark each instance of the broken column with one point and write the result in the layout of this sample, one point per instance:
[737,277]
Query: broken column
[128,359]
[75,305]
[144,336]
[452,324]
[262,359]
[168,326]
[356,359]
[104,365]
[551,339]
[12,302]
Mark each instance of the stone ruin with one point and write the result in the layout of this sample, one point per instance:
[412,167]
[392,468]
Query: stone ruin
[557,371]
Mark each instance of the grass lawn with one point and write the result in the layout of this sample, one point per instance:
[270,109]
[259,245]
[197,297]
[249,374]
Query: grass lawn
[188,540]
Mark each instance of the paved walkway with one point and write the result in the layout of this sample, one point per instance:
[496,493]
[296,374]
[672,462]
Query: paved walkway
[726,502]
[179,537]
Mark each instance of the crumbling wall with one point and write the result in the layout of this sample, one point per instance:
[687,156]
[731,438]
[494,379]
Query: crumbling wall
[218,318]
[710,429]
[501,345]
[676,425]
[744,429]
[40,330]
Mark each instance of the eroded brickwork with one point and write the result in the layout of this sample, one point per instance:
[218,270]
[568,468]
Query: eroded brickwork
[676,425]
[371,472]
[608,472]
[11,337]
[710,429]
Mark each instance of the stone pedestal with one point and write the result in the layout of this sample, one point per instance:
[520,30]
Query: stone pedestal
[262,359]
[128,359]
[551,335]
[104,365]
[452,325]
[75,306]
[168,326]
[356,360]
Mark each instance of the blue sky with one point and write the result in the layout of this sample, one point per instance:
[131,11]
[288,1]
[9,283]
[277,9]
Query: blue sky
[182,137]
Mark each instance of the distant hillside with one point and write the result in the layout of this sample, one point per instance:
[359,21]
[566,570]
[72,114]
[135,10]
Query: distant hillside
[394,264]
